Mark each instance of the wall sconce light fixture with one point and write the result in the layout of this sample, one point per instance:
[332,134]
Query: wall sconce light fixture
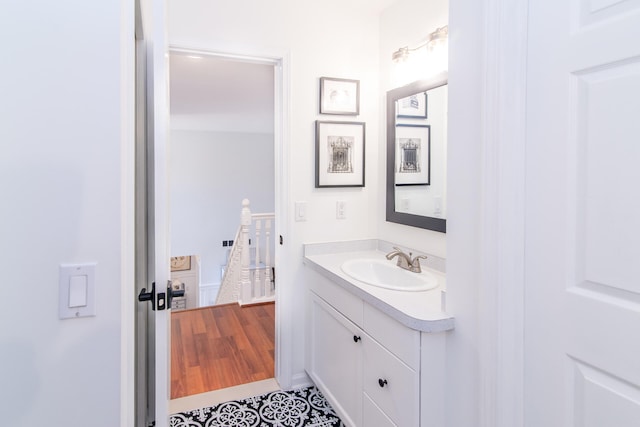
[428,58]
[436,40]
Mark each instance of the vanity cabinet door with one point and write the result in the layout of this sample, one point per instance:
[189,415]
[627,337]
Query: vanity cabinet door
[334,359]
[392,385]
[373,416]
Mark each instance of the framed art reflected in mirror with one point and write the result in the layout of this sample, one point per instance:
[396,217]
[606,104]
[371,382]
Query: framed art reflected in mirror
[412,154]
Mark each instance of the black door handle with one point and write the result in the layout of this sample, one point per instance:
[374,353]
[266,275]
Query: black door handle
[148,296]
[382,382]
[356,338]
[144,295]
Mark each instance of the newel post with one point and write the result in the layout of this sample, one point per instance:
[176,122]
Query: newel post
[245,224]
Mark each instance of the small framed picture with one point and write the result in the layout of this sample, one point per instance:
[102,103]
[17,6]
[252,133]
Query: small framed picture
[180,263]
[339,96]
[339,154]
[413,154]
[413,107]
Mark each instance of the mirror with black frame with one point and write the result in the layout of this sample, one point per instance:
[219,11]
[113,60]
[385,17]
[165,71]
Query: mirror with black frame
[417,154]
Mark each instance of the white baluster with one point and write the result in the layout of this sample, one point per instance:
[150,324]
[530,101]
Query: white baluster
[234,263]
[258,282]
[245,280]
[268,291]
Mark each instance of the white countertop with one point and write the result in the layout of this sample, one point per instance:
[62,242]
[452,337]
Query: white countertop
[417,310]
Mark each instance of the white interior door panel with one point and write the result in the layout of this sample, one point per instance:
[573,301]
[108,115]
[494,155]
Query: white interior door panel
[582,305]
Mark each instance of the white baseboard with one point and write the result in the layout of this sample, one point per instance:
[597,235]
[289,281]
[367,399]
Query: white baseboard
[300,380]
[208,293]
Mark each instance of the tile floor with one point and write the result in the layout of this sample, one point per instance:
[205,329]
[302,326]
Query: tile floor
[305,407]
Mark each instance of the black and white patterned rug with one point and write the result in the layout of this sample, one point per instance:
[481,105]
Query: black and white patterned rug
[305,407]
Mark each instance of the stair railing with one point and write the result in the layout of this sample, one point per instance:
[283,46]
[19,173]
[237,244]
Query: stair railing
[248,277]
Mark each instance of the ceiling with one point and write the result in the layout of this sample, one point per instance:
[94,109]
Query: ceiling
[220,94]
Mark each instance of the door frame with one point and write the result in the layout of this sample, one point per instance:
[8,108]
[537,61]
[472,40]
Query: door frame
[141,311]
[502,282]
[281,63]
[133,32]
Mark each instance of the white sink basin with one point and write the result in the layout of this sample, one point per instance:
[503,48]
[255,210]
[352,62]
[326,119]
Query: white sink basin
[386,274]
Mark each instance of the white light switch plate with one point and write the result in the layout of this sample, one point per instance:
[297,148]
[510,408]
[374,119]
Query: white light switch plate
[77,290]
[301,211]
[341,209]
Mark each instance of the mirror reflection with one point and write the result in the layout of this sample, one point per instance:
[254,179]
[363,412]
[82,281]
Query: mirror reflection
[417,154]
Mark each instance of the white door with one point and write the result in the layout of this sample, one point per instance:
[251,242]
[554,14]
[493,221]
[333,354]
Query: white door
[582,269]
[143,240]
[159,221]
[152,259]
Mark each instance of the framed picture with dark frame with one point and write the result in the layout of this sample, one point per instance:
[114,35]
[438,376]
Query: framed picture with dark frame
[339,96]
[413,107]
[340,154]
[413,154]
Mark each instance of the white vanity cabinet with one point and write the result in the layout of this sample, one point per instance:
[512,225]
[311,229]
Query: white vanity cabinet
[390,384]
[335,359]
[372,369]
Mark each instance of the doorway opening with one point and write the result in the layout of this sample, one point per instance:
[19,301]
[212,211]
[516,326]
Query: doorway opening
[221,153]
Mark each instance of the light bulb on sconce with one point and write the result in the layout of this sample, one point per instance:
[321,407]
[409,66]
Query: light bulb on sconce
[401,54]
[428,58]
[438,47]
[438,39]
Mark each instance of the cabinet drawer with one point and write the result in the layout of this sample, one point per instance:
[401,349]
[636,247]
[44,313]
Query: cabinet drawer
[402,341]
[342,300]
[393,386]
[372,416]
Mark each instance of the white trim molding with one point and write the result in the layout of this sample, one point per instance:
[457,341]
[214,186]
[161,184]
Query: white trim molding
[284,307]
[127,212]
[299,380]
[501,292]
[281,60]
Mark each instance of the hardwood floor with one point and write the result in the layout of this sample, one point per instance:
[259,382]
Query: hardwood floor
[221,346]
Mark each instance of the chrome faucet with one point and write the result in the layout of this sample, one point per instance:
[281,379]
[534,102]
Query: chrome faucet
[405,261]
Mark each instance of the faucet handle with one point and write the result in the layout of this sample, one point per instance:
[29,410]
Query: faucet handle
[415,263]
[418,258]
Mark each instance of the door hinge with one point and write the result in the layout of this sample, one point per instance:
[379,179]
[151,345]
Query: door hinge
[281,240]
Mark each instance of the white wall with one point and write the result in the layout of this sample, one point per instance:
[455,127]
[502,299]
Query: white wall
[330,38]
[406,23]
[63,158]
[209,174]
[465,222]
